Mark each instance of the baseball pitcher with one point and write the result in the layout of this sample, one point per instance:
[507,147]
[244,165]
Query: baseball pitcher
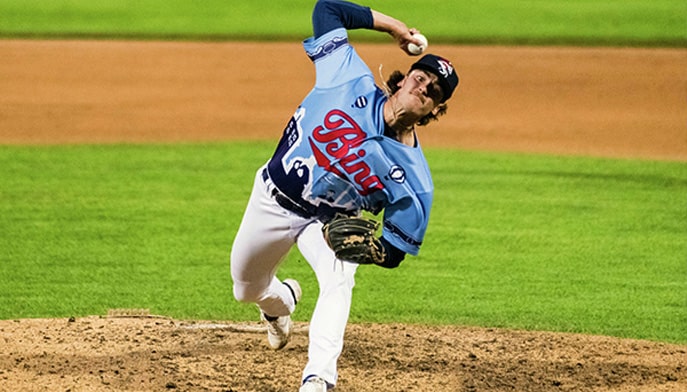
[350,146]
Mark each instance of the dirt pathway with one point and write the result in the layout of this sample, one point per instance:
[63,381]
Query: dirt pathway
[594,101]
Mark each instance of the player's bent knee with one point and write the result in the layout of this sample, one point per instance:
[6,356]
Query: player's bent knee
[246,293]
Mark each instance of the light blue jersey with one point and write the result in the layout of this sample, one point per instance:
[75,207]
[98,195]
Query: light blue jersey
[333,155]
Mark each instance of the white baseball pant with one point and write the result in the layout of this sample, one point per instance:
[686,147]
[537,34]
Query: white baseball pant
[266,235]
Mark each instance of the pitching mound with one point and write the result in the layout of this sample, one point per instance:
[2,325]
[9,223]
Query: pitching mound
[156,354]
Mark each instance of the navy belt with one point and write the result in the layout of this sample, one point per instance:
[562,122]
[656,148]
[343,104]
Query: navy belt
[287,203]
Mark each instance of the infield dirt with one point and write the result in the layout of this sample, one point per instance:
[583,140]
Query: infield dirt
[625,103]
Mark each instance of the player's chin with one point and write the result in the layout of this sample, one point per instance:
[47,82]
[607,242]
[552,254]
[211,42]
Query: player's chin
[423,107]
[414,103]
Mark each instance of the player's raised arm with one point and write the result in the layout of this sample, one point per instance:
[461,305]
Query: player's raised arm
[330,14]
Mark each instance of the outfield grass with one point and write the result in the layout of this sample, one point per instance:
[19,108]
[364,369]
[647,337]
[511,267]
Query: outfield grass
[581,22]
[524,241]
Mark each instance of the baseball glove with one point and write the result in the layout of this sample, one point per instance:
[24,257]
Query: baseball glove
[354,239]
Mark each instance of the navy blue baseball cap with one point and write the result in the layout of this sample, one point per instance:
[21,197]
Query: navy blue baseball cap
[443,69]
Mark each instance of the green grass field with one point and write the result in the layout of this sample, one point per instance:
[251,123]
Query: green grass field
[581,22]
[525,241]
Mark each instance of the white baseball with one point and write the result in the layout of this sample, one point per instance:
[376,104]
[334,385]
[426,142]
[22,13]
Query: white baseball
[415,49]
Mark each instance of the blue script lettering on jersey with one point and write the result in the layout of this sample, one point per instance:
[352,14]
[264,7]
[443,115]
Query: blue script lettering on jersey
[339,134]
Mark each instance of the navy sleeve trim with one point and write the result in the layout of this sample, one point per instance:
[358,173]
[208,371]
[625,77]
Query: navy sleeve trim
[396,230]
[329,15]
[328,47]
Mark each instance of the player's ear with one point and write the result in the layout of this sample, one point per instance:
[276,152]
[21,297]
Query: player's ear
[439,109]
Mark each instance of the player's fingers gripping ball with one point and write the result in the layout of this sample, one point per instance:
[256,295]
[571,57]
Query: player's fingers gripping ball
[354,239]
[418,49]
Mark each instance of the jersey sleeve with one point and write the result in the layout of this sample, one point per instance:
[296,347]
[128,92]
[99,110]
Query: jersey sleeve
[336,62]
[410,191]
[405,223]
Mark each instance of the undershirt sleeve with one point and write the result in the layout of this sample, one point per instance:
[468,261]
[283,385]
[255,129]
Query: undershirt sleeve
[393,255]
[329,15]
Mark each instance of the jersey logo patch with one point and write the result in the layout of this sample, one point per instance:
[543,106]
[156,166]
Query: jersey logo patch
[397,174]
[360,102]
[339,134]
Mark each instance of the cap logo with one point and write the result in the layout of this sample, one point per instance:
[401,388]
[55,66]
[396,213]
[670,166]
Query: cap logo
[445,67]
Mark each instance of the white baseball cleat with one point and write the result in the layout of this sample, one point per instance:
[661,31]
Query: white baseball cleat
[314,384]
[279,328]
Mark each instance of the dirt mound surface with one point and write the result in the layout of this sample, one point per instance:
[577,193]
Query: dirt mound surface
[156,354]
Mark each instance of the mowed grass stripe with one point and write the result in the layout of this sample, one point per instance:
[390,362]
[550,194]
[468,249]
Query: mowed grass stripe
[522,241]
